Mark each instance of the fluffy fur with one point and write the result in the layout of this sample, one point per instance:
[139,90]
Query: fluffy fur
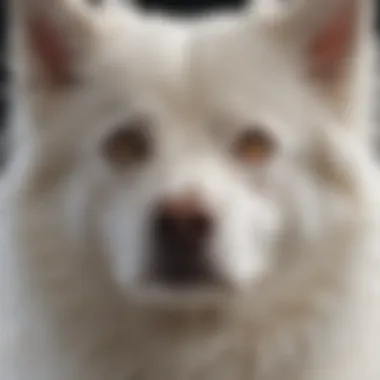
[295,244]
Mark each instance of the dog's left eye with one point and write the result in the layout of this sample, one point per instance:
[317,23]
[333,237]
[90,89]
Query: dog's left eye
[254,147]
[126,146]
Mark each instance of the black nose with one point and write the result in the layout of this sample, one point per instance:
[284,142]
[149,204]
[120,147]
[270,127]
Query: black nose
[182,229]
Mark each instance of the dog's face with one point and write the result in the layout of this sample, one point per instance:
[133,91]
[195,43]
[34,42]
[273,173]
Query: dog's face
[191,158]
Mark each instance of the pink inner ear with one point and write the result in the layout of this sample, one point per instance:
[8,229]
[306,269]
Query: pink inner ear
[330,48]
[50,49]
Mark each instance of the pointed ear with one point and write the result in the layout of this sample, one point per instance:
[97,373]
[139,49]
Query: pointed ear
[333,44]
[52,39]
[332,39]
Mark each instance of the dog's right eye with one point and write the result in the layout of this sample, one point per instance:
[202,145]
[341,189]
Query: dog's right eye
[254,147]
[127,146]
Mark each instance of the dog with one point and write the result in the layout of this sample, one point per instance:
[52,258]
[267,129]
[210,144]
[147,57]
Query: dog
[190,199]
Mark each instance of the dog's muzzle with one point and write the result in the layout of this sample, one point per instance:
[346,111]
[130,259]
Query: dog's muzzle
[182,228]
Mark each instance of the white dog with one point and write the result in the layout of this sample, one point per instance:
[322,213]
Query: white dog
[190,200]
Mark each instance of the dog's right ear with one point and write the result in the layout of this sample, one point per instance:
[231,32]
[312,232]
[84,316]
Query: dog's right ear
[52,38]
[331,43]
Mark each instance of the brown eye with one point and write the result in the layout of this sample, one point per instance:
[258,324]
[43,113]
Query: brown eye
[254,147]
[127,146]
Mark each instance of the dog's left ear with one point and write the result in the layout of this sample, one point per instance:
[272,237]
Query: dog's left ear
[331,39]
[52,39]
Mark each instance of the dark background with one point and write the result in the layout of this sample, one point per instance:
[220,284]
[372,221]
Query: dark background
[172,6]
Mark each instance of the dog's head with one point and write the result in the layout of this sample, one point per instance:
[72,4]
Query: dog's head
[193,158]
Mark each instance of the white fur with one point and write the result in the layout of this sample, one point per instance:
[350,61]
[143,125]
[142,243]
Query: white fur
[295,240]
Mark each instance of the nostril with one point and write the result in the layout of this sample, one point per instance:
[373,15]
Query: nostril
[200,225]
[164,225]
[190,226]
[195,226]
[181,232]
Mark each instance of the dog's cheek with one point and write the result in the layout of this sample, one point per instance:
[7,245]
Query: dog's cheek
[124,242]
[243,249]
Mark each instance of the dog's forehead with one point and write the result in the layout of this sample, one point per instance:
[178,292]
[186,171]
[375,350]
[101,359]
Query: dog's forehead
[219,66]
[245,74]
[168,60]
[148,65]
[243,67]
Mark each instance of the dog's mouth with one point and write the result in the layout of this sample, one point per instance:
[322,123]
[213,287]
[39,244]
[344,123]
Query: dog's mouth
[181,282]
[184,272]
[183,295]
